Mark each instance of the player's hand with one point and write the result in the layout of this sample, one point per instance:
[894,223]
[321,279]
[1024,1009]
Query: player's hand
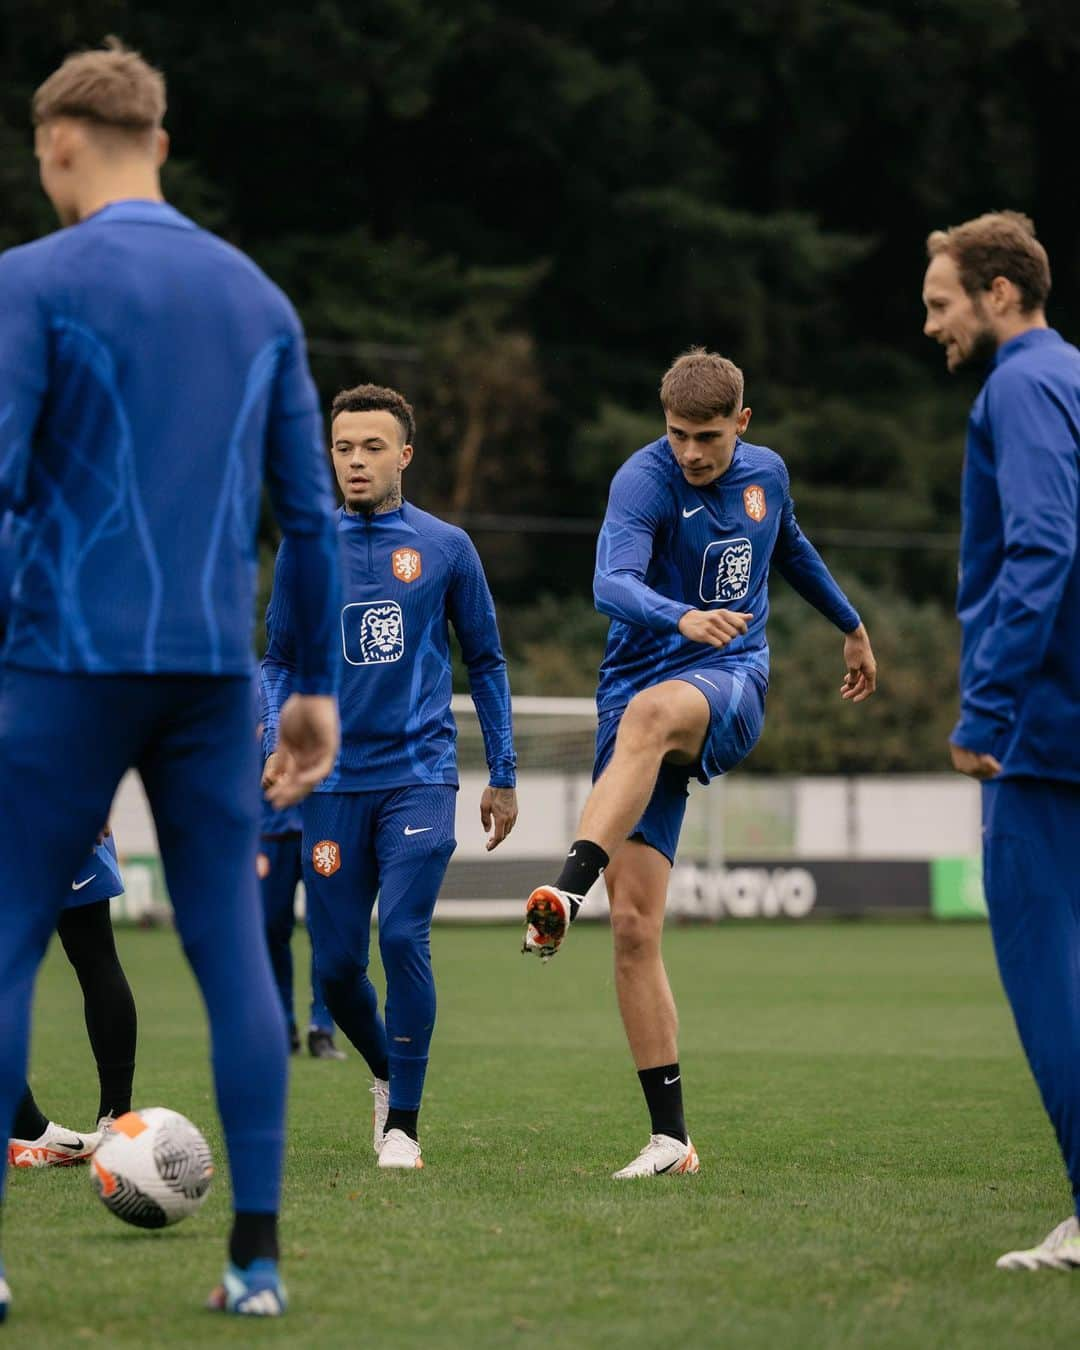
[714,627]
[262,866]
[498,813]
[308,739]
[974,764]
[861,678]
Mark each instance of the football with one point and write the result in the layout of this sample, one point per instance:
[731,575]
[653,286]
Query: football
[152,1168]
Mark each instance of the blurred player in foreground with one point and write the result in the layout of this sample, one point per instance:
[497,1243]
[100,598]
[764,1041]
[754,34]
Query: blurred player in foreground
[280,872]
[694,522]
[985,293]
[383,822]
[149,373]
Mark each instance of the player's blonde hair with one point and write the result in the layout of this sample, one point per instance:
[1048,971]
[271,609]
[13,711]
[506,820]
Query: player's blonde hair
[111,86]
[701,385]
[998,244]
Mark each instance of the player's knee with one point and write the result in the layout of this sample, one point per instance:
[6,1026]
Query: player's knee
[636,934]
[648,723]
[401,947]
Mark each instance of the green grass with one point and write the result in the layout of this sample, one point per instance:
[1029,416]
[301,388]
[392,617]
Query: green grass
[869,1135]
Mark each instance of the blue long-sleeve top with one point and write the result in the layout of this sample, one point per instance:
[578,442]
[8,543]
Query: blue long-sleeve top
[150,378]
[667,547]
[407,576]
[1019,595]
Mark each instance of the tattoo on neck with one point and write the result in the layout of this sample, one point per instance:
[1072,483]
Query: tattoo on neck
[390,502]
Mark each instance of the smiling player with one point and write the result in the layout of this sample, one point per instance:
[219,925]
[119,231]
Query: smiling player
[694,522]
[383,821]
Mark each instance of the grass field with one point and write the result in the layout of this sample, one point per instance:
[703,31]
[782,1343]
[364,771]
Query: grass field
[869,1136]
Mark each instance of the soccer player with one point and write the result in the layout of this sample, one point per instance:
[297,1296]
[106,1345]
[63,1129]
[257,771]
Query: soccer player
[985,293]
[694,522]
[280,871]
[383,822]
[149,375]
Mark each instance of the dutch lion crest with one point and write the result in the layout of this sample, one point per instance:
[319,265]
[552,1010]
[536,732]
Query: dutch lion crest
[725,571]
[373,633]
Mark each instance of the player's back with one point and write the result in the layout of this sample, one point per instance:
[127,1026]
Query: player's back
[160,363]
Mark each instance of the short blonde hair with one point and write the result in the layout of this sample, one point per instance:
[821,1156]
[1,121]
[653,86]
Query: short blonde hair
[111,86]
[701,385]
[998,244]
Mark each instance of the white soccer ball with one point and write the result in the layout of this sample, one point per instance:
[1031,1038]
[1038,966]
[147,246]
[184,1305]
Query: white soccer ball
[152,1168]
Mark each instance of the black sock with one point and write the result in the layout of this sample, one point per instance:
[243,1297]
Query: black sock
[663,1095]
[253,1236]
[87,937]
[583,865]
[29,1122]
[405,1121]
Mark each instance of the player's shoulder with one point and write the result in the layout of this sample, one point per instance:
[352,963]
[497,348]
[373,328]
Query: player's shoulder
[451,540]
[29,263]
[651,469]
[1041,357]
[760,461]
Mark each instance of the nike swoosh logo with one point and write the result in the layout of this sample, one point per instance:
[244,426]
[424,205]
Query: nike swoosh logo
[659,1171]
[422,830]
[78,885]
[63,1143]
[687,514]
[668,1081]
[705,681]
[572,853]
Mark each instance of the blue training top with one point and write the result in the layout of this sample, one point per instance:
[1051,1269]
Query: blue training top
[150,375]
[406,575]
[667,547]
[1019,594]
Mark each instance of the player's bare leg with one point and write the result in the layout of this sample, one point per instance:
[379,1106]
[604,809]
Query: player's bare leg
[667,722]
[637,883]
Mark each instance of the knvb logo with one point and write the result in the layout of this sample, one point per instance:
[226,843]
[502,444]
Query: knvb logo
[406,563]
[373,633]
[725,571]
[326,857]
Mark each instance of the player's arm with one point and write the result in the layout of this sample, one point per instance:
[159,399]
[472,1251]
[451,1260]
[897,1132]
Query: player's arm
[24,368]
[636,511]
[1036,466]
[803,568]
[299,482]
[472,613]
[278,666]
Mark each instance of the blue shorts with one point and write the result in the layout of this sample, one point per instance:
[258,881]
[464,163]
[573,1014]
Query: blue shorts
[98,879]
[737,701]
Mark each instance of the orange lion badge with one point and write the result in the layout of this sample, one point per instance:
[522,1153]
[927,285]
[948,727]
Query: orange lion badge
[754,501]
[326,857]
[406,564]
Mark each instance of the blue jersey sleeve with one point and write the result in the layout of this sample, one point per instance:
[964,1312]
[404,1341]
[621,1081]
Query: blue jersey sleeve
[24,371]
[1036,468]
[278,668]
[298,479]
[634,517]
[802,567]
[472,613]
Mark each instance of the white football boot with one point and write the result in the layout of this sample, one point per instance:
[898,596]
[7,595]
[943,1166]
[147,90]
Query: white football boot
[1059,1250]
[398,1150]
[380,1090]
[662,1156]
[548,912]
[56,1147]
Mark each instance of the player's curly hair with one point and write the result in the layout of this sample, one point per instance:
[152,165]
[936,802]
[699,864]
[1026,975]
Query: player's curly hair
[998,244]
[701,385]
[376,398]
[111,86]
